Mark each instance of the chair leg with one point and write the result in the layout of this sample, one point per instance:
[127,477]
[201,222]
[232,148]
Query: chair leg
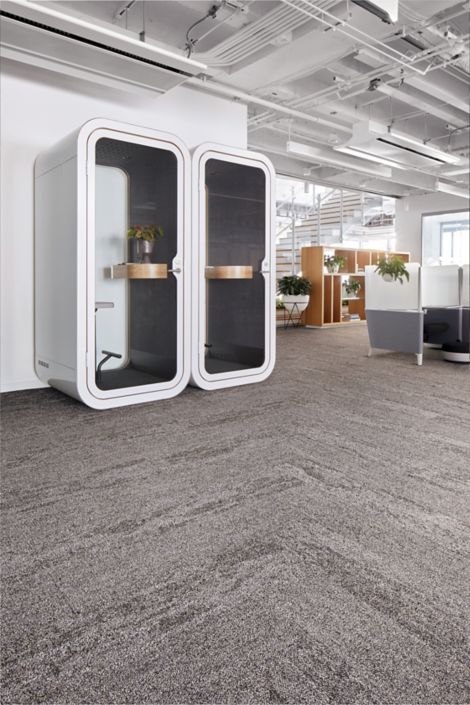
[419,359]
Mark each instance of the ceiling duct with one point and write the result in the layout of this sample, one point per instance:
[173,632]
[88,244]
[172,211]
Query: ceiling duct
[386,10]
[68,41]
[376,138]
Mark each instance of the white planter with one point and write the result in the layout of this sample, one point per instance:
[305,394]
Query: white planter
[387,277]
[291,301]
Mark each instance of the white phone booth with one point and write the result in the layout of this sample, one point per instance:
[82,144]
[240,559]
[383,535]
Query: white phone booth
[233,267]
[112,319]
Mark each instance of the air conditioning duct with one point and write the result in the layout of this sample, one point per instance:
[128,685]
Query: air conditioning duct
[375,138]
[41,35]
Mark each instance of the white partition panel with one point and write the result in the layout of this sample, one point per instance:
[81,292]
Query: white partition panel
[440,286]
[465,290]
[383,295]
[111,216]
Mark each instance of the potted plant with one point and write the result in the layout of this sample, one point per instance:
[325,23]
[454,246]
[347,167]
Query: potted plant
[295,292]
[392,269]
[352,287]
[333,263]
[142,241]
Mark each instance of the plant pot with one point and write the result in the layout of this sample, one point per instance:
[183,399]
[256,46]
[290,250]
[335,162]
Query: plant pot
[332,269]
[146,250]
[295,304]
[387,277]
[133,250]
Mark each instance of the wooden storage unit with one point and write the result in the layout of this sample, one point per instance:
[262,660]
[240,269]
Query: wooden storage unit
[328,305]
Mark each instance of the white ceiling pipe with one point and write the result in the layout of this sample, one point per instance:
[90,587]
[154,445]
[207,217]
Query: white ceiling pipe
[317,139]
[363,79]
[236,49]
[222,89]
[256,44]
[366,39]
[402,58]
[306,101]
[438,87]
[420,102]
[328,92]
[259,33]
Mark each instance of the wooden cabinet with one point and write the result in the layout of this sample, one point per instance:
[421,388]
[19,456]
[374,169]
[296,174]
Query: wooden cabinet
[329,303]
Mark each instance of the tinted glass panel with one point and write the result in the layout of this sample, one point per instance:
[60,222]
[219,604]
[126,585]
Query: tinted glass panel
[236,202]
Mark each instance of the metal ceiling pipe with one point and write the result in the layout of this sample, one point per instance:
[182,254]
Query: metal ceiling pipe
[268,26]
[258,35]
[363,37]
[234,93]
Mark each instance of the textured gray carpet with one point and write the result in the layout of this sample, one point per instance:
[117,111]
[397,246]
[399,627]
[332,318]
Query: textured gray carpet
[300,541]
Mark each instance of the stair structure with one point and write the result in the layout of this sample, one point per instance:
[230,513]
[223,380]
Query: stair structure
[337,218]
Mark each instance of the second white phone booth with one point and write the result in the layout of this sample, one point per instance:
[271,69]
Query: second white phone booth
[233,267]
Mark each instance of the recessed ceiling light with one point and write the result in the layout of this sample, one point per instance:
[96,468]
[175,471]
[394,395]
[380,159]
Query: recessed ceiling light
[370,157]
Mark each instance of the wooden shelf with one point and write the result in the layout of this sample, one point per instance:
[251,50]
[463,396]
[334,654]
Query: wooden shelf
[324,307]
[230,272]
[132,270]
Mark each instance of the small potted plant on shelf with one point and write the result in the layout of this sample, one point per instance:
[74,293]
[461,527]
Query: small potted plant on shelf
[295,292]
[392,269]
[333,263]
[352,287]
[142,241]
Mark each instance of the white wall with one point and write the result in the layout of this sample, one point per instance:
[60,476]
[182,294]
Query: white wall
[408,218]
[38,109]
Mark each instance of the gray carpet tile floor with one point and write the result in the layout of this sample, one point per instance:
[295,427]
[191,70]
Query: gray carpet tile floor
[304,540]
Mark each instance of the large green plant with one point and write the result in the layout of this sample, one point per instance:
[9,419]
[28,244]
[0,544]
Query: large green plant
[394,267]
[145,232]
[294,286]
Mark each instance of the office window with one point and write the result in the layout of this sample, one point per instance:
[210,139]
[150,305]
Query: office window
[445,238]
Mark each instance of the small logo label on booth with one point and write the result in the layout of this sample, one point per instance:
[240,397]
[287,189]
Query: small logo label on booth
[43,364]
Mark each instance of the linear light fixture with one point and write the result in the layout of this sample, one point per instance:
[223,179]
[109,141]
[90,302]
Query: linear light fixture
[425,149]
[35,12]
[370,157]
[454,190]
[312,154]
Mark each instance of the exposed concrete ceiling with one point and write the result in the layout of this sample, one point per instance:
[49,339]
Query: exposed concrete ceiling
[310,70]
